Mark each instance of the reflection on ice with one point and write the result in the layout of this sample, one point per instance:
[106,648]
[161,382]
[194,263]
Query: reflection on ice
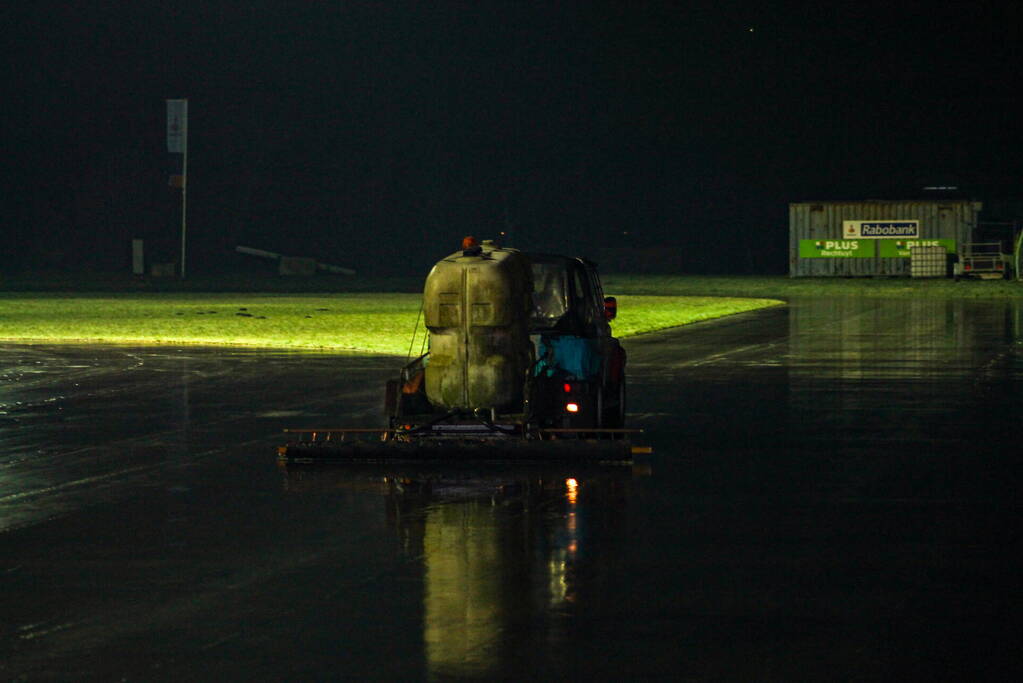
[506,558]
[495,567]
[467,567]
[838,338]
[869,374]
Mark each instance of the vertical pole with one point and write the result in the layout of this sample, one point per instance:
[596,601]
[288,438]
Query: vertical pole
[184,190]
[1018,249]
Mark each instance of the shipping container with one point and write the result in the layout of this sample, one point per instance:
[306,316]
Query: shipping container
[873,237]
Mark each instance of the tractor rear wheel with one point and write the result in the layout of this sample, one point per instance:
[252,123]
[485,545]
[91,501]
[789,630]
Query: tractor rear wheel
[613,410]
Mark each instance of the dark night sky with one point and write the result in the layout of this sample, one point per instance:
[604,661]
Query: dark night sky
[358,130]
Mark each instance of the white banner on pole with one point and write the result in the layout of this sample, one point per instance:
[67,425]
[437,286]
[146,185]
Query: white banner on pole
[177,143]
[177,126]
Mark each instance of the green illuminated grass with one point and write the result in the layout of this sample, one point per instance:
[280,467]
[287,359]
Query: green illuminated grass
[375,323]
[360,321]
[639,313]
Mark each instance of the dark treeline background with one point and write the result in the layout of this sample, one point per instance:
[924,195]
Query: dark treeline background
[376,134]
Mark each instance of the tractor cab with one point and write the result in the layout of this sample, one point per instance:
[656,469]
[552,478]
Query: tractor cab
[578,377]
[567,297]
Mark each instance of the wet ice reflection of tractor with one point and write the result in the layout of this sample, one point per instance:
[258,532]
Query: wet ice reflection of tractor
[511,561]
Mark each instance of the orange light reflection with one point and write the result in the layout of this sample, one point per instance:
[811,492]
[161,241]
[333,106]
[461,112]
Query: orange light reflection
[573,490]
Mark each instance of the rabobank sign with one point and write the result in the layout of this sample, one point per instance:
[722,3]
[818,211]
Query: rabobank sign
[868,230]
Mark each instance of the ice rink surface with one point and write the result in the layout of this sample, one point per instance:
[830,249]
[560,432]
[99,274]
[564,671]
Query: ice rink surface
[833,494]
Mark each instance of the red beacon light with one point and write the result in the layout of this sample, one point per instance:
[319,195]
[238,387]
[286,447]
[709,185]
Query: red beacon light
[470,246]
[567,387]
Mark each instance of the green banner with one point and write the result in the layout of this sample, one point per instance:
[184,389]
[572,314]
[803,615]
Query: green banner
[900,248]
[836,248]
